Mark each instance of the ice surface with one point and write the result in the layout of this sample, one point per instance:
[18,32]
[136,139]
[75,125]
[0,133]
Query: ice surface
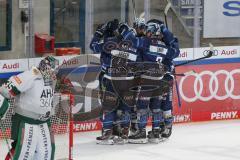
[218,140]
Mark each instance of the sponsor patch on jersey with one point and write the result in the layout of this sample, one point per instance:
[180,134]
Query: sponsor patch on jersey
[157,49]
[125,55]
[17,80]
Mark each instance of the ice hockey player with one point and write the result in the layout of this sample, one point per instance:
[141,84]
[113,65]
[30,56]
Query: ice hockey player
[111,50]
[161,46]
[33,91]
[140,27]
[168,49]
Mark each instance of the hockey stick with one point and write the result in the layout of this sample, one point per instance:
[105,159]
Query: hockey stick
[168,6]
[210,54]
[5,138]
[95,63]
[134,10]
[178,93]
[176,83]
[184,74]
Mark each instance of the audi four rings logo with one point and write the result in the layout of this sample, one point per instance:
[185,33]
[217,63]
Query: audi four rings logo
[215,52]
[212,84]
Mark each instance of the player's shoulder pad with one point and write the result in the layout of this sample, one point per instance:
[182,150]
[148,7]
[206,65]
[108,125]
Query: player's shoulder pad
[24,80]
[27,76]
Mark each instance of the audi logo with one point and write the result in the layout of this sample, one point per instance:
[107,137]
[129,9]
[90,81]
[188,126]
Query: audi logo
[215,52]
[213,86]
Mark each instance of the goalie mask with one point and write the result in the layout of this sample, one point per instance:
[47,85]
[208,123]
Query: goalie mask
[47,67]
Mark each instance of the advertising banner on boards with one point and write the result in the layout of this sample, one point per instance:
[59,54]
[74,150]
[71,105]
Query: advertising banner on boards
[221,18]
[211,93]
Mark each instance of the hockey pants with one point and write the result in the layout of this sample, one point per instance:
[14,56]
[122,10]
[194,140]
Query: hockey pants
[121,110]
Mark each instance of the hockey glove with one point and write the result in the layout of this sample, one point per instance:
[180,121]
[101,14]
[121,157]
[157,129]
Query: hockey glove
[112,26]
[100,31]
[123,28]
[155,26]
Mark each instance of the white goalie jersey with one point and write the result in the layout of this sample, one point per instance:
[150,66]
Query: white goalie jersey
[33,96]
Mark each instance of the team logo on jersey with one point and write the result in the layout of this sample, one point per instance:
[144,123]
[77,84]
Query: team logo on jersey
[46,98]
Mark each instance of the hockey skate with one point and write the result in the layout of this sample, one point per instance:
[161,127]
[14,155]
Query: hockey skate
[167,131]
[133,129]
[107,137]
[166,128]
[139,137]
[121,137]
[154,136]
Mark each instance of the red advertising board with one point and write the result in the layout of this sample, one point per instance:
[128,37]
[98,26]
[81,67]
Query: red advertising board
[211,93]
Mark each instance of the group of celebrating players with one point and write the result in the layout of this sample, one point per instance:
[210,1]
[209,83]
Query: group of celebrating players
[136,82]
[139,91]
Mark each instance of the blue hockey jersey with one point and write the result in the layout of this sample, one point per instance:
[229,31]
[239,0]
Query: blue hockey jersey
[155,49]
[114,52]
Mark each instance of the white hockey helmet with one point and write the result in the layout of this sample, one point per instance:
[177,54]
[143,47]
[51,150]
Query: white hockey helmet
[154,26]
[139,23]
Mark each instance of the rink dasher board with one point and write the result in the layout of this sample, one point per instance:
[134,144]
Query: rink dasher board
[215,96]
